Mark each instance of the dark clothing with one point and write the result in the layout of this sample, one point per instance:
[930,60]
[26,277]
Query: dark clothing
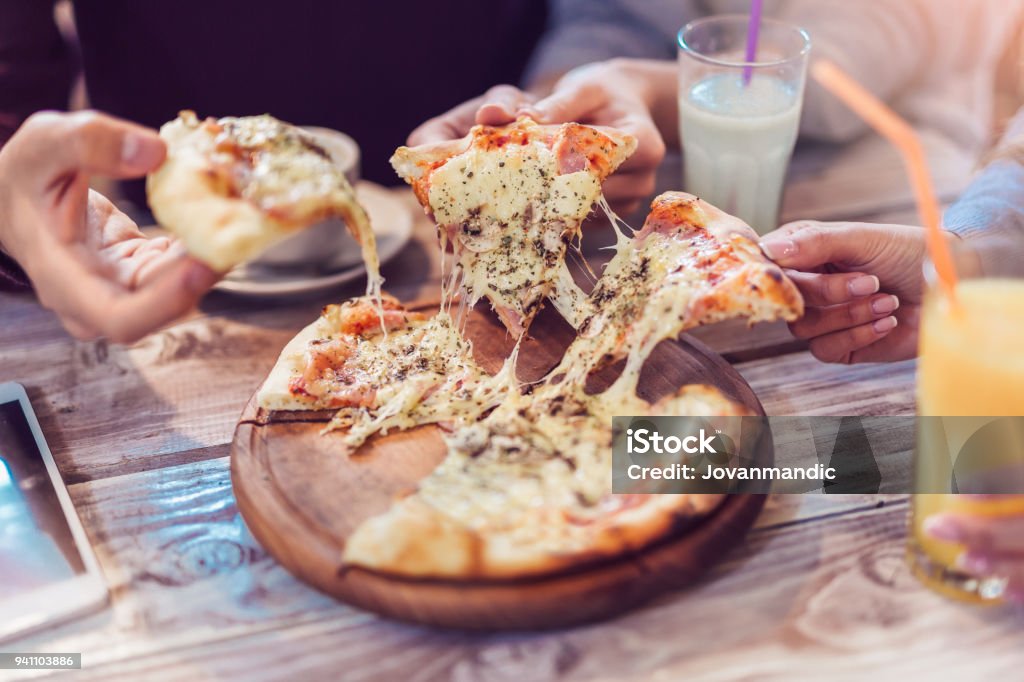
[372,69]
[12,277]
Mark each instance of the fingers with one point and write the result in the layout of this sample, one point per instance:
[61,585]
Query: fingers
[165,298]
[985,534]
[450,125]
[136,260]
[107,224]
[841,346]
[994,545]
[831,289]
[821,321]
[572,102]
[91,305]
[808,244]
[501,104]
[52,145]
[497,106]
[1008,567]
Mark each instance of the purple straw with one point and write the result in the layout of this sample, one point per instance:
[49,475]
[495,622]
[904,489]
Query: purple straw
[752,33]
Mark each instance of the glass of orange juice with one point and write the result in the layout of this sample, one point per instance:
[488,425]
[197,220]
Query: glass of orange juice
[969,456]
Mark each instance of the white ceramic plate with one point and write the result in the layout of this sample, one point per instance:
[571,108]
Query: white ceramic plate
[392,225]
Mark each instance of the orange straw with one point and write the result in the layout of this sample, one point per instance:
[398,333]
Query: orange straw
[888,124]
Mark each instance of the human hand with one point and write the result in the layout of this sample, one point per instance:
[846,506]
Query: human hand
[993,545]
[862,283]
[613,93]
[498,106]
[88,261]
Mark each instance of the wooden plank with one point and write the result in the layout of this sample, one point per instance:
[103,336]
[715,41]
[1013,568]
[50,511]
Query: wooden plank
[194,598]
[737,341]
[183,569]
[798,384]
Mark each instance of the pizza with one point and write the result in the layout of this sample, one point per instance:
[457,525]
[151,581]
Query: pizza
[378,371]
[525,489]
[510,201]
[231,187]
[691,264]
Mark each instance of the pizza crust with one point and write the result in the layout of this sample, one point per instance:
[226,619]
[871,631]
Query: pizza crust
[232,187]
[414,540]
[220,231]
[275,393]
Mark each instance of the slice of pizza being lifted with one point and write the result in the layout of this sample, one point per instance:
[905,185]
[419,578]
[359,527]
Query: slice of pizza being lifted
[691,264]
[231,187]
[510,200]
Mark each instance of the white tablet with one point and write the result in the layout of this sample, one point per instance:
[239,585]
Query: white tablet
[48,572]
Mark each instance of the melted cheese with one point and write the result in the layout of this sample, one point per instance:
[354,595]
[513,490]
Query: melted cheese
[509,215]
[528,471]
[429,376]
[280,169]
[507,186]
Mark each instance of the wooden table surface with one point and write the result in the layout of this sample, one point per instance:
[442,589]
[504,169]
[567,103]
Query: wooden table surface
[141,435]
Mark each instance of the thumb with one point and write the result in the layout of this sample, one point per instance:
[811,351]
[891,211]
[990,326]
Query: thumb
[91,143]
[500,104]
[569,102]
[808,244]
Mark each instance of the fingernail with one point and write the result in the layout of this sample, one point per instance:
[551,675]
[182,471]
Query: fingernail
[777,249]
[884,305]
[886,324]
[532,111]
[200,278]
[942,528]
[863,286]
[974,563]
[141,151]
[498,108]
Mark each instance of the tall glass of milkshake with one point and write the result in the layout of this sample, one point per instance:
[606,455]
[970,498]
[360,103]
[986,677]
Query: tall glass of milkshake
[738,119]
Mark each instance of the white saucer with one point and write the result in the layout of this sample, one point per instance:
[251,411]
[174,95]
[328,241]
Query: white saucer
[392,225]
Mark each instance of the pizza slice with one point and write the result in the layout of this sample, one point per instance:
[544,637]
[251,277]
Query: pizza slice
[375,373]
[343,358]
[691,264]
[231,187]
[526,491]
[510,200]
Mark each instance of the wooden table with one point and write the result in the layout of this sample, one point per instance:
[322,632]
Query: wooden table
[141,435]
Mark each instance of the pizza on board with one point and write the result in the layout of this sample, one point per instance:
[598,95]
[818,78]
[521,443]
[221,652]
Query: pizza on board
[510,200]
[525,488]
[231,187]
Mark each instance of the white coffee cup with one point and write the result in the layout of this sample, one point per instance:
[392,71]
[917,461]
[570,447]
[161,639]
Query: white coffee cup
[328,242]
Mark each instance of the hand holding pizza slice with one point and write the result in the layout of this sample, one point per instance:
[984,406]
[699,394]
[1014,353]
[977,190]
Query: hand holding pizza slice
[510,200]
[233,186]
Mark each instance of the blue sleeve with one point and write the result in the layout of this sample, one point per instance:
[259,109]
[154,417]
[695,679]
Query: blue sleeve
[990,214]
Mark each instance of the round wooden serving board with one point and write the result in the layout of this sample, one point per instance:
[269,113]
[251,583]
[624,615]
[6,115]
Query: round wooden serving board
[302,495]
